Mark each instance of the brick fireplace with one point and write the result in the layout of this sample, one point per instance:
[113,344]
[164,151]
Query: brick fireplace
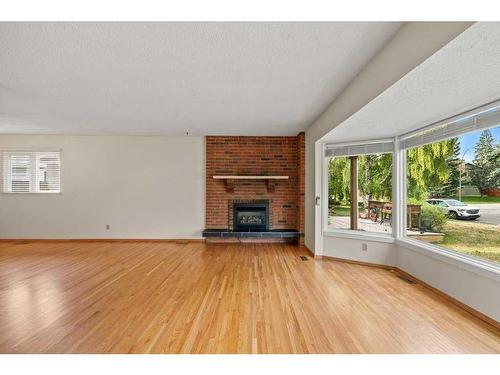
[280,158]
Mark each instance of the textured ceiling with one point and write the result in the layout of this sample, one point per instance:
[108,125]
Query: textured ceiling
[169,78]
[462,75]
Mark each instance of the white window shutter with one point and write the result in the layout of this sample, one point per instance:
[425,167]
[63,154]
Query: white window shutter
[48,172]
[31,172]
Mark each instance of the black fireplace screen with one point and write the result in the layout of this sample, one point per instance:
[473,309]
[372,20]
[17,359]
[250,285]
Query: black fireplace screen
[250,217]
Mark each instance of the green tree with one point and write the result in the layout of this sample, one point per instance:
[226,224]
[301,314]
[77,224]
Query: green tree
[339,179]
[484,170]
[428,169]
[450,188]
[494,175]
[375,177]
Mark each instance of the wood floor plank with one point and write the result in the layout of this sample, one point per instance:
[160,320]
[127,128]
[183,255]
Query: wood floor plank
[155,297]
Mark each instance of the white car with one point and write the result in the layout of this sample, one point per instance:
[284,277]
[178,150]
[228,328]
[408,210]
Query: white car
[456,209]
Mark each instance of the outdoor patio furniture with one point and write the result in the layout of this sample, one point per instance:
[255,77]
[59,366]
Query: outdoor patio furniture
[386,212]
[375,209]
[414,214]
[381,211]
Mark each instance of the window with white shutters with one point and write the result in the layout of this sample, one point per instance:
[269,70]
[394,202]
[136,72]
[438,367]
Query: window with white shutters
[31,172]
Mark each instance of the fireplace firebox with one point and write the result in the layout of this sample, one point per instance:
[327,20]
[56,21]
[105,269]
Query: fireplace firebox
[251,217]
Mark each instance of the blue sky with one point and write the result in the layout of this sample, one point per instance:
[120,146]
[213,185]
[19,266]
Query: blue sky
[468,141]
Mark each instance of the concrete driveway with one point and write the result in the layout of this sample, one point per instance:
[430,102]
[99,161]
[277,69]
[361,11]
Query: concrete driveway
[490,213]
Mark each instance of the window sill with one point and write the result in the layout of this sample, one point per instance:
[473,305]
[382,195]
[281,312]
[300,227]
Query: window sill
[478,266]
[356,235]
[32,193]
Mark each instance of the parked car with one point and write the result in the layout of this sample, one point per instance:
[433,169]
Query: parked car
[456,209]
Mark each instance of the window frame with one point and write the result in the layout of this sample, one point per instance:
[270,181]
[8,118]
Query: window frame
[349,232]
[399,199]
[31,150]
[475,264]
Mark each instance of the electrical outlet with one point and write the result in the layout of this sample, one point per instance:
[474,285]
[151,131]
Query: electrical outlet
[107,226]
[364,247]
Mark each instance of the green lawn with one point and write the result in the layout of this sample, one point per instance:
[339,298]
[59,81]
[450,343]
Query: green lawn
[341,210]
[479,200]
[481,240]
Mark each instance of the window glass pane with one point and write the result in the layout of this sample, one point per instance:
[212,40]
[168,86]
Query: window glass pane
[374,194]
[453,193]
[339,193]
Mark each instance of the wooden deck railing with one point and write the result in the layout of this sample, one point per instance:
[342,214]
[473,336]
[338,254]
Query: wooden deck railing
[380,210]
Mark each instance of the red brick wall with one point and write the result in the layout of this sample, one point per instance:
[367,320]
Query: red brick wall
[283,156]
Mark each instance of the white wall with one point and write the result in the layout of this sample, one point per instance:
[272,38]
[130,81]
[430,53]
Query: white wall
[143,187]
[479,289]
[346,248]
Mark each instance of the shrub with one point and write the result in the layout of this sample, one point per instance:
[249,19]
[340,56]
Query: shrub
[433,218]
[415,201]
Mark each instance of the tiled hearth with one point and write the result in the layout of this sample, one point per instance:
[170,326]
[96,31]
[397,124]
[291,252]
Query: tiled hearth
[270,236]
[280,158]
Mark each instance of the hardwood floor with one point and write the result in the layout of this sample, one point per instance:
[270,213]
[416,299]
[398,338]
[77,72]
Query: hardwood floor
[146,297]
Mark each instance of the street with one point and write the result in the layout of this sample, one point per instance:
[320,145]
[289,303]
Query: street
[490,213]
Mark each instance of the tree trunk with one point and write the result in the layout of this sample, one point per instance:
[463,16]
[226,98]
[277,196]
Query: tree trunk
[367,195]
[354,192]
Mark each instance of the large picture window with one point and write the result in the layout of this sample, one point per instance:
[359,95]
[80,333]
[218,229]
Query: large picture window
[453,186]
[446,186]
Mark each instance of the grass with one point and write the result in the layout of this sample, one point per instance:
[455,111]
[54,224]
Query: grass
[472,238]
[479,200]
[482,240]
[341,210]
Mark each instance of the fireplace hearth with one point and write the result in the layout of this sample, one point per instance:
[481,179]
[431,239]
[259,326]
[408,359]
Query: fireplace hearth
[251,217]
